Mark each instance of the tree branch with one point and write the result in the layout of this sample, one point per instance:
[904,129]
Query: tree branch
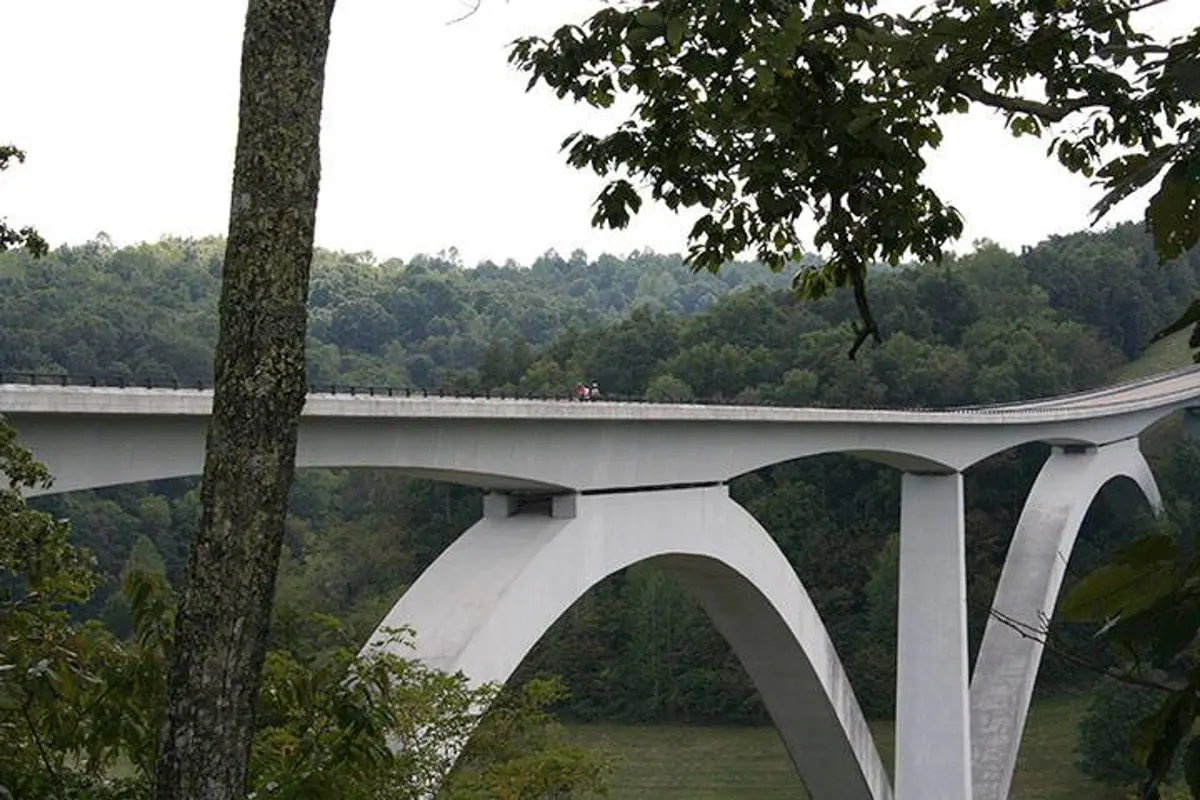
[869,327]
[1045,111]
[845,19]
[1143,6]
[1042,637]
[37,740]
[1019,105]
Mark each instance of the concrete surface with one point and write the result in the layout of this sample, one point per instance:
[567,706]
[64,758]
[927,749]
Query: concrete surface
[491,596]
[100,437]
[933,755]
[1007,664]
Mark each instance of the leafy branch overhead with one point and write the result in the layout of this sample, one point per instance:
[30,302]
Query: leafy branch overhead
[25,237]
[763,115]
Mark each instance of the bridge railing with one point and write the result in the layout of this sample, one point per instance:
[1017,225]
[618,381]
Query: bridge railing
[1098,391]
[367,390]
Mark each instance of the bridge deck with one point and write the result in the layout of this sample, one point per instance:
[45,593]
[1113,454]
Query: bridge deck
[95,436]
[1166,389]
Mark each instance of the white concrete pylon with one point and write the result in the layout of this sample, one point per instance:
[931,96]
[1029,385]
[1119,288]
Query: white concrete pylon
[491,596]
[933,758]
[1007,665]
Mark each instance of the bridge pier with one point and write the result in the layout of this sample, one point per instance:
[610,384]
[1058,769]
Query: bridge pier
[933,751]
[502,505]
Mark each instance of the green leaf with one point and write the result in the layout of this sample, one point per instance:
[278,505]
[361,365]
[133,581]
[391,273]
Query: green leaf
[649,18]
[1173,214]
[1125,175]
[1176,630]
[1148,550]
[1189,317]
[675,30]
[1135,578]
[616,204]
[1157,739]
[1169,625]
[1191,765]
[639,37]
[1151,729]
[765,77]
[1184,74]
[860,122]
[1116,590]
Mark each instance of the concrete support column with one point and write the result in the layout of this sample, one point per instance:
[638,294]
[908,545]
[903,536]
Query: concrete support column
[933,749]
[499,505]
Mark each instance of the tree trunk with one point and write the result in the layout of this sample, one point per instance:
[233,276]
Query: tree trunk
[260,384]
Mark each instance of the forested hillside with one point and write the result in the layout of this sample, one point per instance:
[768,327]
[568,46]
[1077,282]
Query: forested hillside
[149,312]
[988,327]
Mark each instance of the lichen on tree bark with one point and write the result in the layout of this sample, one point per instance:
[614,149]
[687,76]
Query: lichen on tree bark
[260,385]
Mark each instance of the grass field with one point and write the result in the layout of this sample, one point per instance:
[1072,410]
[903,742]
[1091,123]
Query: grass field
[1170,353]
[715,763]
[697,763]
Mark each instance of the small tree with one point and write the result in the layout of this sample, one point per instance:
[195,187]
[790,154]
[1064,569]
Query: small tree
[78,706]
[64,720]
[1108,730]
[327,721]
[668,388]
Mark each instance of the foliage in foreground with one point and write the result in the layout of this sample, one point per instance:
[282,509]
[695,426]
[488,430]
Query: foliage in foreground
[80,709]
[759,115]
[1114,712]
[1147,600]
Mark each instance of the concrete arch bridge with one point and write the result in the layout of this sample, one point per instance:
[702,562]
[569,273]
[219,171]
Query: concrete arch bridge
[577,491]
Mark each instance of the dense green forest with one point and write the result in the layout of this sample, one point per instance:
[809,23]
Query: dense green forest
[987,327]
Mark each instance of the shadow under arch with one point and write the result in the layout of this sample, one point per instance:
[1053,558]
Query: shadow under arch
[483,605]
[1007,665]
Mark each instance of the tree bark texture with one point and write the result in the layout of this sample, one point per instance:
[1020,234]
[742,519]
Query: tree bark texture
[260,386]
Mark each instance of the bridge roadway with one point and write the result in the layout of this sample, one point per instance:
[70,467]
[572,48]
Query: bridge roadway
[581,490]
[92,437]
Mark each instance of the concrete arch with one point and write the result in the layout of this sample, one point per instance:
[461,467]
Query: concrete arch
[491,596]
[1007,665]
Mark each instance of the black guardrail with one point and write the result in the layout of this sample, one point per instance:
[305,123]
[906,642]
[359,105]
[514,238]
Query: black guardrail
[366,390]
[358,390]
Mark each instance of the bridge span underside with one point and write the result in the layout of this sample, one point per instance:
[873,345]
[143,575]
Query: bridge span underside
[483,605]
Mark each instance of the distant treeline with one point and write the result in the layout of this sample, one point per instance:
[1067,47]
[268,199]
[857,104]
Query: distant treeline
[988,327]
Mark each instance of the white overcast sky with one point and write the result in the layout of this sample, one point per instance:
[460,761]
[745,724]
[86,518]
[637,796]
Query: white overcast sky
[128,112]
